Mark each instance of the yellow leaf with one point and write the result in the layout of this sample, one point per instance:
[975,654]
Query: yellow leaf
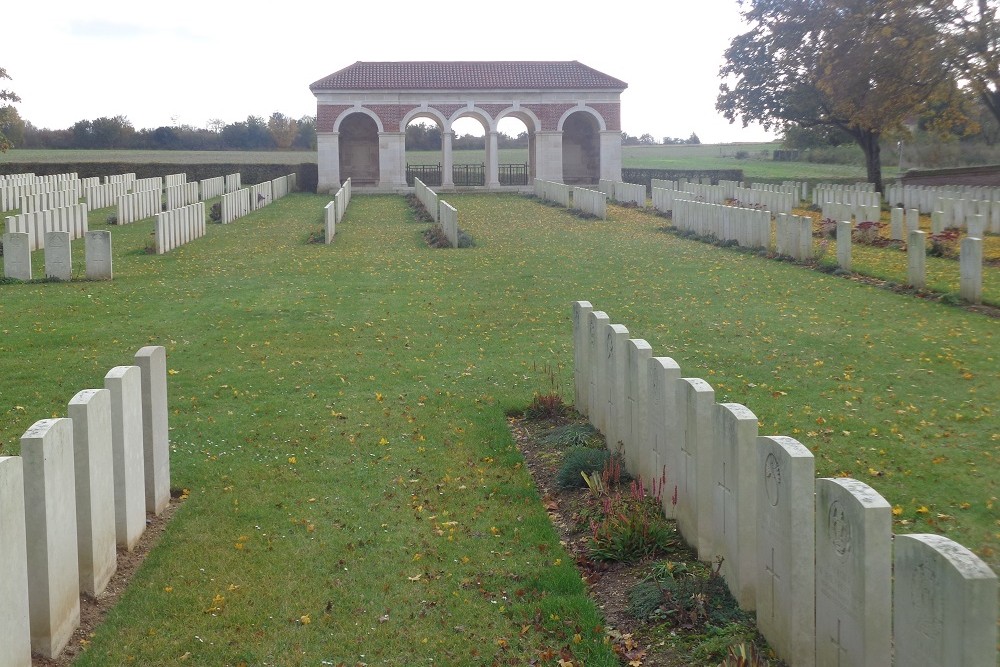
[292,460]
[922,509]
[415,577]
[965,506]
[897,510]
[172,372]
[304,619]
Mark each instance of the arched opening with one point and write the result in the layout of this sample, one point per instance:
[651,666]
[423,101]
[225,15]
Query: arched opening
[581,149]
[470,150]
[516,142]
[424,150]
[359,150]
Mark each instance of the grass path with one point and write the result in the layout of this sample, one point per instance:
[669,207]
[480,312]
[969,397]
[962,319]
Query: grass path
[338,415]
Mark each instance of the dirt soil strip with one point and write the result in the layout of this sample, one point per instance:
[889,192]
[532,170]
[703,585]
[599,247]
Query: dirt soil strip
[94,610]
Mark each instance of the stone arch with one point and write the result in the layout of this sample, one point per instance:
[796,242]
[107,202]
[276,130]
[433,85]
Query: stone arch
[489,125]
[581,147]
[533,125]
[358,109]
[425,112]
[359,147]
[601,124]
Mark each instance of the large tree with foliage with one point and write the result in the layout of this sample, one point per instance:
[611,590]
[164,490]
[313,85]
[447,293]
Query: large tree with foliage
[865,67]
[8,114]
[975,31]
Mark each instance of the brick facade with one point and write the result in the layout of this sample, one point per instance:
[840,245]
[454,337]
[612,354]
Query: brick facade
[326,115]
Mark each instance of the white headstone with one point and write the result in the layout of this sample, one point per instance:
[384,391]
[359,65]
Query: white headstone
[596,321]
[50,526]
[615,338]
[662,374]
[896,224]
[786,548]
[152,360]
[916,253]
[844,229]
[693,464]
[125,384]
[97,252]
[944,604]
[17,256]
[638,352]
[853,574]
[58,256]
[15,637]
[970,266]
[734,491]
[581,355]
[90,411]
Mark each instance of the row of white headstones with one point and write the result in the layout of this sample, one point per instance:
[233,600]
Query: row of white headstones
[54,230]
[813,557]
[335,210]
[441,211]
[80,490]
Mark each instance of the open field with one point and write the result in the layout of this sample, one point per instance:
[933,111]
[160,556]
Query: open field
[705,156]
[338,415]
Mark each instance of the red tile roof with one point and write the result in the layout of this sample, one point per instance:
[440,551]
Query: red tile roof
[481,75]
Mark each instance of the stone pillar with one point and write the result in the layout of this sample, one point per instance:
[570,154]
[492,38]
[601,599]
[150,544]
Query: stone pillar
[328,153]
[492,160]
[50,525]
[15,637]
[611,155]
[548,150]
[448,162]
[391,156]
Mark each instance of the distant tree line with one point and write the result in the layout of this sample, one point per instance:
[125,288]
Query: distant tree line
[279,132]
[648,140]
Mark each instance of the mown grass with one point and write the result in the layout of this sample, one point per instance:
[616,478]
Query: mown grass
[334,409]
[20,155]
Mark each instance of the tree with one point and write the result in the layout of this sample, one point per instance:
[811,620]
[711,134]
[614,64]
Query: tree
[862,66]
[8,114]
[693,139]
[975,32]
[283,130]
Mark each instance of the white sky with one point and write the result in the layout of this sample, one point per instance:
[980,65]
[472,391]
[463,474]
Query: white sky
[185,62]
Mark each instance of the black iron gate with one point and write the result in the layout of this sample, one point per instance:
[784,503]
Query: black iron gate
[467,174]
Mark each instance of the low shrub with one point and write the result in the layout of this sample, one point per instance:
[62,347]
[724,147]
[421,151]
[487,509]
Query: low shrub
[577,435]
[944,244]
[580,459]
[111,219]
[549,405]
[827,229]
[215,213]
[869,233]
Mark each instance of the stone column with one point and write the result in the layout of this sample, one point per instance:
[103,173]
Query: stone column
[492,160]
[328,150]
[448,163]
[611,155]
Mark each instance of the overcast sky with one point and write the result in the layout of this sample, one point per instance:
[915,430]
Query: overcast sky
[185,62]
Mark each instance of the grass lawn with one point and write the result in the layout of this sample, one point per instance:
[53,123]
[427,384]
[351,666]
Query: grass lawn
[166,157]
[338,415]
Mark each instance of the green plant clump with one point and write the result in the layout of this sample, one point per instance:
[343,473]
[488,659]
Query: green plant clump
[579,460]
[573,435]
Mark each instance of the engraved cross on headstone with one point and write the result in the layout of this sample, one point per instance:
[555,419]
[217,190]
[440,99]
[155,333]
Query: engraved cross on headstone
[769,568]
[728,493]
[836,642]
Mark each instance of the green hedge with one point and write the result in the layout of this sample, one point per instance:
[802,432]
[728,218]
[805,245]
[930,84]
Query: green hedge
[307,175]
